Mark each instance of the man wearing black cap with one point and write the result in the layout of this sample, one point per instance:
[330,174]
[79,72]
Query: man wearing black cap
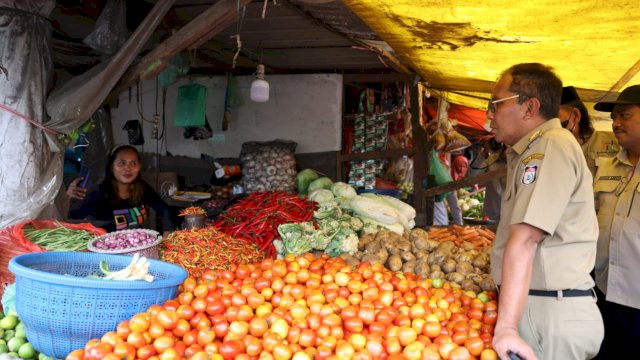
[617,189]
[575,118]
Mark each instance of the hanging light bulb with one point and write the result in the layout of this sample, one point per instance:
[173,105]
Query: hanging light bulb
[260,86]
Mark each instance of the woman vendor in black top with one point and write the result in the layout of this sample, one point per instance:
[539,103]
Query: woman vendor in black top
[123,199]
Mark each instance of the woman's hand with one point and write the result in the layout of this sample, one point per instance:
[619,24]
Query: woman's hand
[75,191]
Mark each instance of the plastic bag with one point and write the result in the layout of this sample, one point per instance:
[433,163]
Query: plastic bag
[190,106]
[110,31]
[268,166]
[134,132]
[440,174]
[178,66]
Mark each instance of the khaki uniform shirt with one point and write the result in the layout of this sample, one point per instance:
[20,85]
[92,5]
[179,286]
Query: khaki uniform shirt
[550,187]
[617,187]
[601,144]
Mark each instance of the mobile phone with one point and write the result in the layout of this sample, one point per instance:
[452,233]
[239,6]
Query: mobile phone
[84,173]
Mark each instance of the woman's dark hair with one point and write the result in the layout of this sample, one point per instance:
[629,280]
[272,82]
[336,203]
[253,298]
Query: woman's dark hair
[110,184]
[585,127]
[539,81]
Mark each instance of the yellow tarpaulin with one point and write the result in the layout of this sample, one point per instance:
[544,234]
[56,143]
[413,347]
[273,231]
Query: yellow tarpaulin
[463,46]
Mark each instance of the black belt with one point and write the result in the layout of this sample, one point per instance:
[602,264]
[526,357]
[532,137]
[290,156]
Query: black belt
[561,293]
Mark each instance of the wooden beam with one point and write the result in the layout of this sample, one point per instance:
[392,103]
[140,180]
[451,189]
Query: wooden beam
[392,77]
[625,78]
[478,179]
[420,160]
[196,31]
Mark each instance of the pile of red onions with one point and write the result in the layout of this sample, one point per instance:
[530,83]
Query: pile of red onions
[125,239]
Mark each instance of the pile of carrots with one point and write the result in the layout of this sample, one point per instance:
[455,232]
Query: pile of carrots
[476,235]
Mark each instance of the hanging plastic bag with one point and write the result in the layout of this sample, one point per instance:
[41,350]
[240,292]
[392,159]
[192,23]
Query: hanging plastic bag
[198,132]
[178,66]
[440,174]
[190,106]
[110,31]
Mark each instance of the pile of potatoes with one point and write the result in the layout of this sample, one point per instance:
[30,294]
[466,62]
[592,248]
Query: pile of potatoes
[416,253]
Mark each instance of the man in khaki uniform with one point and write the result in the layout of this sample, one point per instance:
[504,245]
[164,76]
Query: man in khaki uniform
[574,117]
[545,245]
[617,188]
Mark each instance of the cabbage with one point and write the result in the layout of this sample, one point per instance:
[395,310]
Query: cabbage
[320,183]
[321,196]
[343,190]
[303,179]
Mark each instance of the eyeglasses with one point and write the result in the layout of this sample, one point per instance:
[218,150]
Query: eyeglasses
[492,103]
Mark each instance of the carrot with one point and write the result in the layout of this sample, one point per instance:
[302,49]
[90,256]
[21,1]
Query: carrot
[448,238]
[468,236]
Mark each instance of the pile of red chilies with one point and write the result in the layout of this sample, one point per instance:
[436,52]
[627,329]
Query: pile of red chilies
[255,219]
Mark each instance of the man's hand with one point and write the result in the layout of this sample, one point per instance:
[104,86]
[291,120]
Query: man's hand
[75,191]
[507,340]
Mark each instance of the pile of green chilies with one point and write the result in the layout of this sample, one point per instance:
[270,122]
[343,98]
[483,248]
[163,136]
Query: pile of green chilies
[59,238]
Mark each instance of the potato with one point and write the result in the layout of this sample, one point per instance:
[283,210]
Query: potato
[487,283]
[358,255]
[469,285]
[436,275]
[407,256]
[466,256]
[448,265]
[419,238]
[364,240]
[464,268]
[404,245]
[387,237]
[432,244]
[435,267]
[372,258]
[467,246]
[350,260]
[482,261]
[422,268]
[394,263]
[455,277]
[437,257]
[475,278]
[421,254]
[447,246]
[372,247]
[383,254]
[409,266]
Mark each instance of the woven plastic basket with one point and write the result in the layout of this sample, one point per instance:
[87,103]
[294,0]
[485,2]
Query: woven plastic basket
[62,309]
[150,251]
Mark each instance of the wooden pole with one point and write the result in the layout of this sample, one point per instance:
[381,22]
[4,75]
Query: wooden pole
[197,30]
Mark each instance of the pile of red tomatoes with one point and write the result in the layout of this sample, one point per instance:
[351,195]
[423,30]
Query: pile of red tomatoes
[306,308]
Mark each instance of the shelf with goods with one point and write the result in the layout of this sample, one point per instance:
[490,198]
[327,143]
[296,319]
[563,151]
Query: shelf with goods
[406,124]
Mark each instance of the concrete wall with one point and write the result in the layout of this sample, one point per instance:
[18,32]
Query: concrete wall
[304,108]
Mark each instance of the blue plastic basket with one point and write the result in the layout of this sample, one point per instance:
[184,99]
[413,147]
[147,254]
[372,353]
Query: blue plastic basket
[62,309]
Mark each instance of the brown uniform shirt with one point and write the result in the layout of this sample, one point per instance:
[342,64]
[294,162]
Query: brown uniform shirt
[617,187]
[549,186]
[601,144]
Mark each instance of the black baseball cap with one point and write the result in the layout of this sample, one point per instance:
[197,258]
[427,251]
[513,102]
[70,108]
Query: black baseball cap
[629,96]
[569,95]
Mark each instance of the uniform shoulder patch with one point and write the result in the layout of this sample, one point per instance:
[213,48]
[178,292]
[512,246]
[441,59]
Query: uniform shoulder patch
[614,178]
[529,174]
[536,156]
[535,135]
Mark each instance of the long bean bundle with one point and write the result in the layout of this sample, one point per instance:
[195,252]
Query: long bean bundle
[59,238]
